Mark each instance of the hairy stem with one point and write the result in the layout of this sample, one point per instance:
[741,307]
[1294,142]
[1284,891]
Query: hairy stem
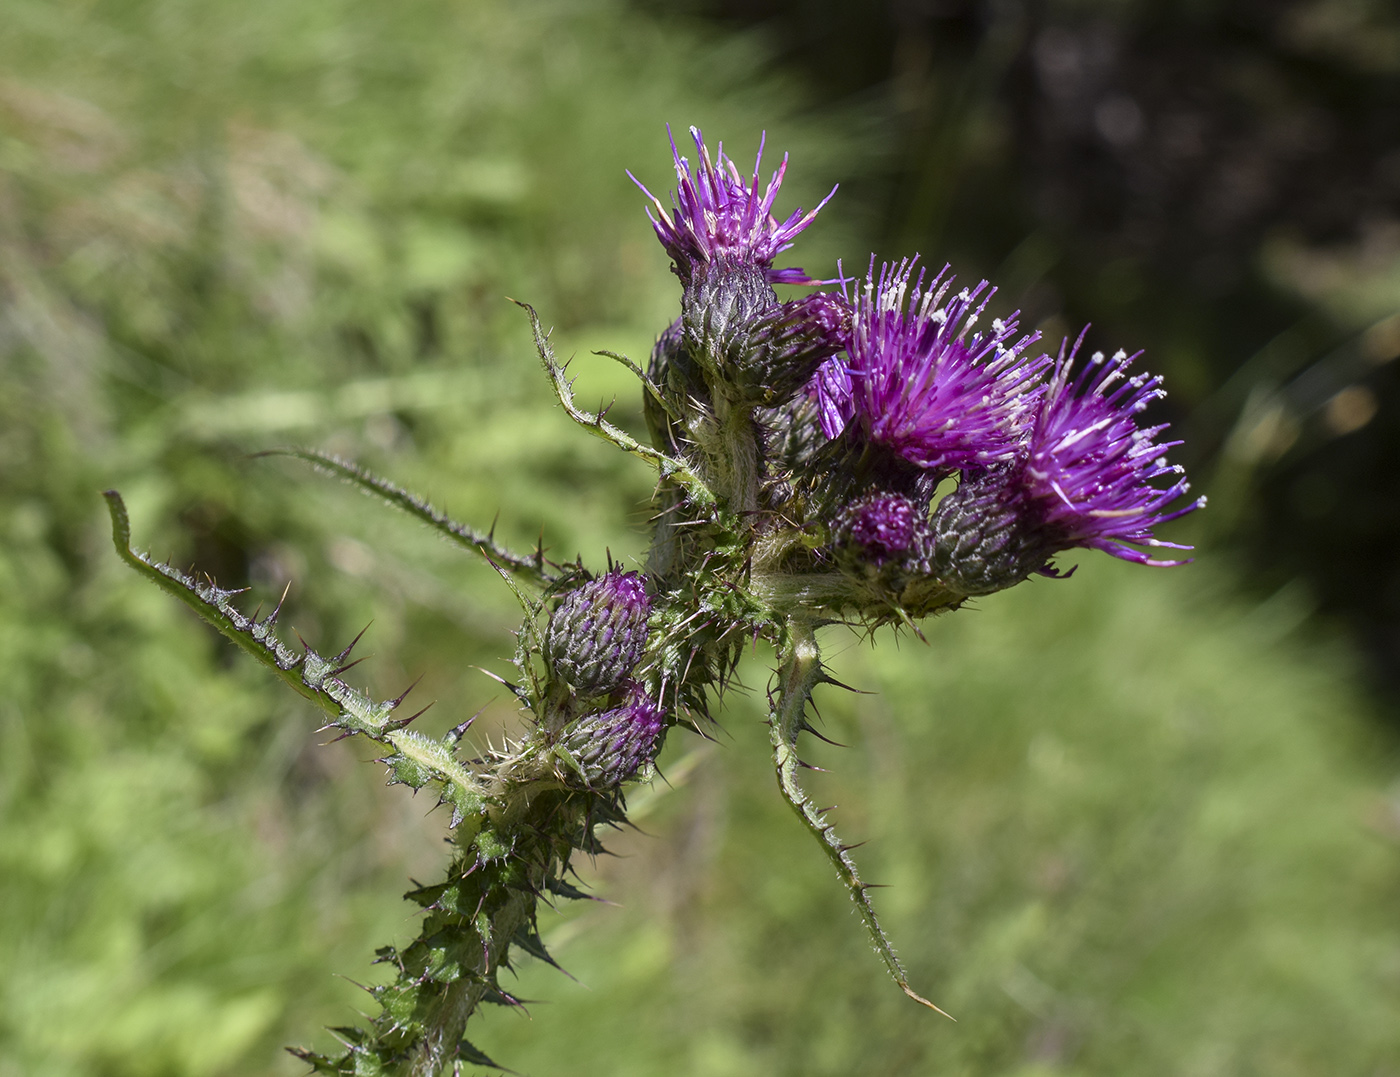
[739,455]
[799,672]
[533,567]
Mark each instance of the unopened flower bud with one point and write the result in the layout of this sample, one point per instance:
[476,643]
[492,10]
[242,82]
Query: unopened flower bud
[785,347]
[984,539]
[879,529]
[609,748]
[597,634]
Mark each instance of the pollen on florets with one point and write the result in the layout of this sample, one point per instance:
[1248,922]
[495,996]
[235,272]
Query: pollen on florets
[598,632]
[718,216]
[1090,469]
[920,383]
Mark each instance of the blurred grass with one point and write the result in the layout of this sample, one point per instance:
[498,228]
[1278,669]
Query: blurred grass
[1129,830]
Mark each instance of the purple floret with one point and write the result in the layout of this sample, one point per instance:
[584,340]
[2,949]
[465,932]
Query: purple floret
[718,217]
[920,384]
[883,527]
[1089,468]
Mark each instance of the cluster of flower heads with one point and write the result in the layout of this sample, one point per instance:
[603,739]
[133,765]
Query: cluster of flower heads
[892,390]
[1050,452]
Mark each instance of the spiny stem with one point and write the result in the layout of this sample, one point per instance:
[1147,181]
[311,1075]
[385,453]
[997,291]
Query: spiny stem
[799,672]
[669,467]
[439,1042]
[532,568]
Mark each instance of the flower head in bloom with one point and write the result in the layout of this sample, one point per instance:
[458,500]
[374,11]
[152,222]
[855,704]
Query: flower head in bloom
[1088,477]
[598,632]
[918,380]
[1091,472]
[719,217]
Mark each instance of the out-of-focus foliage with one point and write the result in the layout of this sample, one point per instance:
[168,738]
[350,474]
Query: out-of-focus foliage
[1124,830]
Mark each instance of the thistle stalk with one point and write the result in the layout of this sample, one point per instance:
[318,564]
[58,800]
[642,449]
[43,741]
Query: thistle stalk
[799,672]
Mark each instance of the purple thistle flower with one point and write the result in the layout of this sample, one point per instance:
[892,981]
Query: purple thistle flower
[1085,479]
[719,218]
[610,747]
[598,632]
[1089,469]
[917,383]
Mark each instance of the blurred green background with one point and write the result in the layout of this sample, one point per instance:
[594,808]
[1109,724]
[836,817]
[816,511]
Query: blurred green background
[1136,823]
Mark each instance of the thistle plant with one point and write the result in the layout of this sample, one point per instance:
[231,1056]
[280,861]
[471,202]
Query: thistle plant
[804,450]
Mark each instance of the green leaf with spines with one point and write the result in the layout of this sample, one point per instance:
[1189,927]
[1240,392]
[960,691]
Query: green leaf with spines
[416,760]
[468,1053]
[528,939]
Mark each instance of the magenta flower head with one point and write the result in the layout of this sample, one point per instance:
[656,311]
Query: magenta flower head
[1090,468]
[723,238]
[608,748]
[1088,477]
[720,218]
[598,632]
[921,384]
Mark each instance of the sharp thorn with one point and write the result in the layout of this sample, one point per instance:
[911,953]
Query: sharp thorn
[404,694]
[272,617]
[826,678]
[415,716]
[925,1002]
[349,665]
[807,728]
[343,655]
